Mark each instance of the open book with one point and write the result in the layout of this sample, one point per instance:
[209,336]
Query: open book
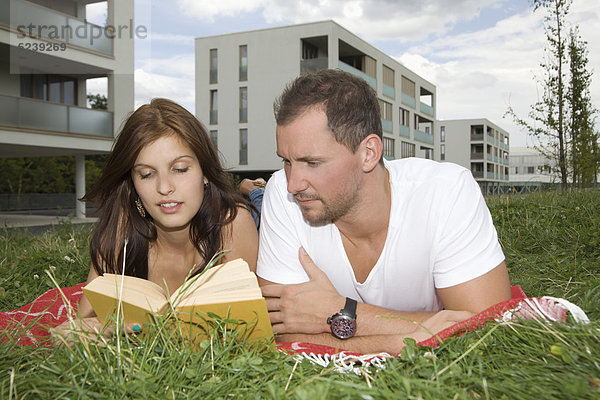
[229,290]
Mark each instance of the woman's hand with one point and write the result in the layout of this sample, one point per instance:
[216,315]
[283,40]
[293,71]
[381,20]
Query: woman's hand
[89,328]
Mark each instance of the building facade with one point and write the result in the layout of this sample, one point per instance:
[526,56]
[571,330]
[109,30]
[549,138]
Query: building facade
[239,75]
[479,145]
[531,171]
[48,51]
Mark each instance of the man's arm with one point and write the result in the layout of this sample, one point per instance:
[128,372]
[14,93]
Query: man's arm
[299,312]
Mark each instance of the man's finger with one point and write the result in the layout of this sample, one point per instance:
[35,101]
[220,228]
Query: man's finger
[273,290]
[309,266]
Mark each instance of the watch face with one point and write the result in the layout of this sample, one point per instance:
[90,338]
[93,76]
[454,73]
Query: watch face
[343,326]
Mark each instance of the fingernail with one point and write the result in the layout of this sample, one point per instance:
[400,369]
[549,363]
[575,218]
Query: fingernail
[136,328]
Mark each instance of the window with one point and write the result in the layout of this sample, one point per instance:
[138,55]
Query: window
[214,137]
[408,87]
[386,110]
[407,150]
[388,76]
[243,146]
[388,147]
[243,104]
[213,66]
[442,152]
[404,117]
[214,107]
[243,63]
[531,170]
[442,133]
[428,152]
[55,88]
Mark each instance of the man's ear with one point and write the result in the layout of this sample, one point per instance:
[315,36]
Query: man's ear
[371,149]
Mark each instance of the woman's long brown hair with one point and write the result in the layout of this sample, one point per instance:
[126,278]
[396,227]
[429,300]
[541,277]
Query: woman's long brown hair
[114,194]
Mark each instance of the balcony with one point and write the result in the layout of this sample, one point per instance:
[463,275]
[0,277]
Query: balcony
[490,157]
[476,136]
[389,91]
[387,126]
[409,100]
[477,174]
[22,112]
[426,109]
[404,131]
[423,137]
[491,175]
[477,156]
[370,80]
[313,64]
[42,22]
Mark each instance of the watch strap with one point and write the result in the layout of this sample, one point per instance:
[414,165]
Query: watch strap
[350,308]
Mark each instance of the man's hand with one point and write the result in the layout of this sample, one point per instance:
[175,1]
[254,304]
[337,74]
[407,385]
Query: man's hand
[303,307]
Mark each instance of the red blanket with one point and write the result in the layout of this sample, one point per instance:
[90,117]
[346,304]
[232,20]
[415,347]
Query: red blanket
[29,324]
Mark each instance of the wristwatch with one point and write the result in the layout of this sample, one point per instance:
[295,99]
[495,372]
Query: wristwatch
[343,324]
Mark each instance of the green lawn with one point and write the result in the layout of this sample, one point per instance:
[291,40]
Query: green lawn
[551,242]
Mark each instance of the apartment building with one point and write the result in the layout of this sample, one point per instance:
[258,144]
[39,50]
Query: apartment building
[479,145]
[47,53]
[239,75]
[530,170]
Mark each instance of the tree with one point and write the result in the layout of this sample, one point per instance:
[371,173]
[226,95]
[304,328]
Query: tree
[98,101]
[549,113]
[585,158]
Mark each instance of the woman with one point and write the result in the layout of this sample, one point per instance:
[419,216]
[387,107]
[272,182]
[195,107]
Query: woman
[163,189]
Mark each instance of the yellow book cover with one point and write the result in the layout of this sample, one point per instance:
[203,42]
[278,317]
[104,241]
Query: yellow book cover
[229,290]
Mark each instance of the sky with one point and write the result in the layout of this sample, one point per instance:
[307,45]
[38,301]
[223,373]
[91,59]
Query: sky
[483,55]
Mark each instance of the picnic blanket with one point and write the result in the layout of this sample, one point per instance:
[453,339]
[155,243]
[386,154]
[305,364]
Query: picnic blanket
[30,324]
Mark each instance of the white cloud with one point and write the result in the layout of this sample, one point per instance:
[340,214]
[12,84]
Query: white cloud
[208,10]
[372,19]
[179,88]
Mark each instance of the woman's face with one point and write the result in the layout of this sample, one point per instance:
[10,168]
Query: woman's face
[168,178]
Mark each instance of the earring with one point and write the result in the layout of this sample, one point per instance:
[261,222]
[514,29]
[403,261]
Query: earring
[140,207]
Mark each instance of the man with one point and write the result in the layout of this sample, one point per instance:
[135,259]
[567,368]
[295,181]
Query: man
[357,252]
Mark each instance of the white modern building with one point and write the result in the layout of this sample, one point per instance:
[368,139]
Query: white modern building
[530,170]
[479,145]
[47,53]
[239,75]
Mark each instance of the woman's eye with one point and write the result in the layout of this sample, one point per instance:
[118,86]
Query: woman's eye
[181,170]
[145,175]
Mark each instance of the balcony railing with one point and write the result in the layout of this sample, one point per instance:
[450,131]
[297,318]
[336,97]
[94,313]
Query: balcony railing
[427,109]
[43,22]
[243,115]
[314,64]
[389,91]
[21,112]
[404,131]
[423,137]
[477,174]
[476,136]
[409,100]
[387,126]
[476,156]
[491,175]
[348,68]
[214,116]
[490,157]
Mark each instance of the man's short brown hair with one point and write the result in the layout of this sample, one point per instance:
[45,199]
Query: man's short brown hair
[349,102]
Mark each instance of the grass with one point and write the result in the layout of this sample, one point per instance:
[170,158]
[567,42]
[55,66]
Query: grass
[551,246]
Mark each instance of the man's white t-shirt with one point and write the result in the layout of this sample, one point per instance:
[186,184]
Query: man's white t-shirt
[440,234]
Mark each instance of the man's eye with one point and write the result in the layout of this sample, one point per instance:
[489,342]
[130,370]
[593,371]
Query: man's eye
[313,163]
